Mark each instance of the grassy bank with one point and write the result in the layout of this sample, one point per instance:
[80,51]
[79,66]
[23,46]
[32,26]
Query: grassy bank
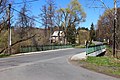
[106,64]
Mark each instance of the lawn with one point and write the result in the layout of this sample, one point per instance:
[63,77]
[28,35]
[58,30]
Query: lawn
[106,65]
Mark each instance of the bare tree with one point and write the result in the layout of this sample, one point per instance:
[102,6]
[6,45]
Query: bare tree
[23,27]
[23,23]
[47,16]
[105,27]
[3,18]
[44,18]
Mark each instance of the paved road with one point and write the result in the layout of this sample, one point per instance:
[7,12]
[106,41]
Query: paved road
[46,66]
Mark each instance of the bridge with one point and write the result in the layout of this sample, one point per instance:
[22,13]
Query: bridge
[96,50]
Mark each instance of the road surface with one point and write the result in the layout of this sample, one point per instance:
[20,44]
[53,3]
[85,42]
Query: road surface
[46,66]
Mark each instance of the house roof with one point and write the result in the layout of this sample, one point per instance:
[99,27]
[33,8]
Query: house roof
[56,33]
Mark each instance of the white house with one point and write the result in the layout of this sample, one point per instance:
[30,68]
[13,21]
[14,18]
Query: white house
[58,37]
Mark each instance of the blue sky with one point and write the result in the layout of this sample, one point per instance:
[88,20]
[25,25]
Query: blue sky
[92,13]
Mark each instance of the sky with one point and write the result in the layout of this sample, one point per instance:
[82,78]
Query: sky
[88,6]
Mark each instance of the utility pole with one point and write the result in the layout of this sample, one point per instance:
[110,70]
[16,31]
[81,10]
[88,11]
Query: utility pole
[9,30]
[114,29]
[115,24]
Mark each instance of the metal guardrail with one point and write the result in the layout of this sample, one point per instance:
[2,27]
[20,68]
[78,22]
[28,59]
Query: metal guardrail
[91,49]
[24,49]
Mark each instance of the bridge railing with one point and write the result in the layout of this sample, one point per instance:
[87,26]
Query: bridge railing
[91,49]
[42,48]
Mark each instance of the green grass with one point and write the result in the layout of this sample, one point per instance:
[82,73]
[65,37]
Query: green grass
[107,65]
[103,61]
[4,55]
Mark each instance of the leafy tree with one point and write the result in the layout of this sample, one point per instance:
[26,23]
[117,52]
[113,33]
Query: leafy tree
[92,32]
[72,15]
[71,34]
[82,28]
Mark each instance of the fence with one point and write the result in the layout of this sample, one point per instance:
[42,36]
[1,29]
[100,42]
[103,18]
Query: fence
[91,49]
[43,48]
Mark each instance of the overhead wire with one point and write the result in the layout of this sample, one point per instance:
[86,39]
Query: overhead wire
[106,7]
[104,4]
[3,9]
[25,2]
[26,15]
[93,5]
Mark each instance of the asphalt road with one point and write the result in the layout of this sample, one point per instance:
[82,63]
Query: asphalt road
[46,66]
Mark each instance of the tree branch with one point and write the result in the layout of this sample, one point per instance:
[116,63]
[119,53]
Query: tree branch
[17,42]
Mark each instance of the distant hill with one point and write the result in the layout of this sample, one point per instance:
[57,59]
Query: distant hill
[82,36]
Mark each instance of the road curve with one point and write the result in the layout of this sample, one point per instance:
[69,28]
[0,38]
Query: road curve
[46,66]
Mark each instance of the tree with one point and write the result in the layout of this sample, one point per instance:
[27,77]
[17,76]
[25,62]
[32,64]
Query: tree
[22,29]
[82,28]
[3,23]
[23,23]
[3,4]
[92,32]
[3,18]
[72,15]
[44,18]
[105,27]
[47,16]
[71,34]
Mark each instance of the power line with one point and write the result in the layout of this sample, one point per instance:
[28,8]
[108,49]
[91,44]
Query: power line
[106,7]
[93,2]
[104,4]
[27,16]
[25,2]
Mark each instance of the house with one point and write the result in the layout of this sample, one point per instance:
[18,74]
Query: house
[58,37]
